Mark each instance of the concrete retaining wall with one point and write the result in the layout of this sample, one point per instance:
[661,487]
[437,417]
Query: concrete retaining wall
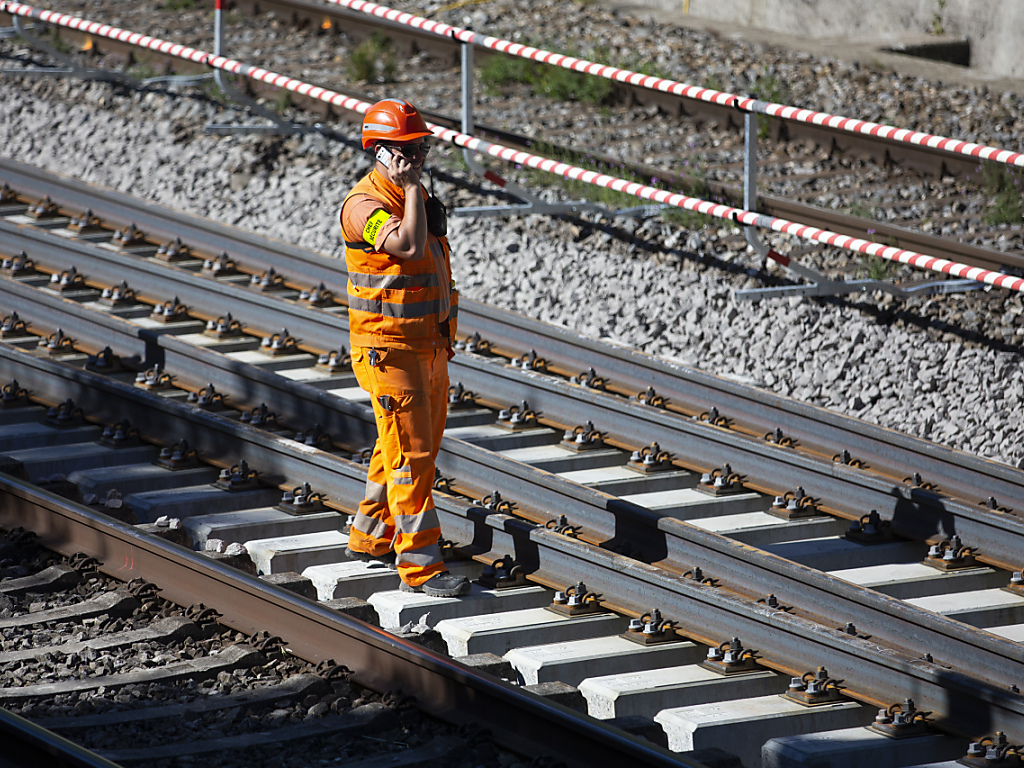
[993,27]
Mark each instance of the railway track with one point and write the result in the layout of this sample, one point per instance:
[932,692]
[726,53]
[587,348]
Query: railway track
[911,197]
[721,562]
[83,651]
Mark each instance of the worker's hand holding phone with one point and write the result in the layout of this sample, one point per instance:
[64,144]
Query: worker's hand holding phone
[400,170]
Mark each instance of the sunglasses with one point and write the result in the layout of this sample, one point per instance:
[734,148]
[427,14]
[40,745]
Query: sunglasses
[410,151]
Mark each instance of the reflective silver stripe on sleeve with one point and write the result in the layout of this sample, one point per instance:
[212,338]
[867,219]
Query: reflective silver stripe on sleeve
[394,282]
[410,524]
[374,491]
[392,309]
[422,557]
[370,526]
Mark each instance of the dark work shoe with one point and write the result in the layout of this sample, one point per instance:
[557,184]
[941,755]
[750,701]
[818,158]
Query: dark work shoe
[442,585]
[387,560]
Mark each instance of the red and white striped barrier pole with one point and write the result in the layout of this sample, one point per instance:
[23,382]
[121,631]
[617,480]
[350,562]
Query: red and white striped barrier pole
[218,27]
[745,218]
[509,155]
[744,103]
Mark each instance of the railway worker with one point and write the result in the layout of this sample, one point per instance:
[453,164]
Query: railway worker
[402,311]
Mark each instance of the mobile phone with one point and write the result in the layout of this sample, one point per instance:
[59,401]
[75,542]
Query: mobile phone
[384,156]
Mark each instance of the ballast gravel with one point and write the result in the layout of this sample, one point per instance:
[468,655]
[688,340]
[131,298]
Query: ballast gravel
[659,288]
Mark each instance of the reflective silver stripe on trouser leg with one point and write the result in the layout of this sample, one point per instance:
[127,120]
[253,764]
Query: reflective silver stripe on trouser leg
[373,527]
[402,475]
[375,491]
[424,557]
[412,524]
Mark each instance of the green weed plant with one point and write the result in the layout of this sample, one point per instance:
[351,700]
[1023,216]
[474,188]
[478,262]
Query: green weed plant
[768,87]
[1006,189]
[554,82]
[373,61]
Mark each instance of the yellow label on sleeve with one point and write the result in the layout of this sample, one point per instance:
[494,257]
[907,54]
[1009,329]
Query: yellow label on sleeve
[373,225]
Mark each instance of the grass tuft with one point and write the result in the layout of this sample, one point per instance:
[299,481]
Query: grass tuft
[142,70]
[876,268]
[768,87]
[60,44]
[938,28]
[544,80]
[373,61]
[282,101]
[1006,189]
[860,211]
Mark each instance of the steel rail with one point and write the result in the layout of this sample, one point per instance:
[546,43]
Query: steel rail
[877,668]
[916,512]
[29,746]
[607,520]
[757,411]
[518,719]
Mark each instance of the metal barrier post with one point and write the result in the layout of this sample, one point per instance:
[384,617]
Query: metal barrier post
[467,98]
[820,285]
[218,28]
[750,162]
[533,204]
[278,124]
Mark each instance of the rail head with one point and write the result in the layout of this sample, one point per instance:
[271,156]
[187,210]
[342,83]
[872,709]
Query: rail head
[27,744]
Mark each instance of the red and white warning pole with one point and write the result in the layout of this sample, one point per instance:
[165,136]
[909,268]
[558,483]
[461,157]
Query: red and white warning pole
[743,103]
[737,215]
[509,155]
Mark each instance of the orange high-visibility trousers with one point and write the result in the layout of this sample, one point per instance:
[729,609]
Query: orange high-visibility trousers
[409,390]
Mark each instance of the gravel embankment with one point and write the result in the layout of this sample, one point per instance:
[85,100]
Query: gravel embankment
[948,369]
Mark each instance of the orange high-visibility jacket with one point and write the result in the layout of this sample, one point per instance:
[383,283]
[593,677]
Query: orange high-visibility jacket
[394,303]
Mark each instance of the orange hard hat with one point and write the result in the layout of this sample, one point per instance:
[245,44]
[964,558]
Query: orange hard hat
[392,120]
